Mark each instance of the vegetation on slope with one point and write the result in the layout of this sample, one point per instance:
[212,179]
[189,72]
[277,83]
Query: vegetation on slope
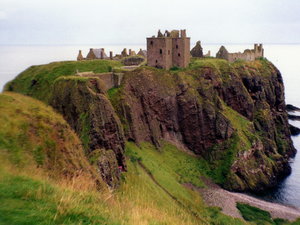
[37,81]
[152,191]
[27,190]
[53,185]
[213,107]
[32,133]
[259,216]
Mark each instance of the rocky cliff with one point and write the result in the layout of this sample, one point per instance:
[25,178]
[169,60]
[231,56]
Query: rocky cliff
[84,105]
[86,108]
[230,114]
[233,115]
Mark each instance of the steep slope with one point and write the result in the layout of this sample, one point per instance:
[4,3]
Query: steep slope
[46,179]
[31,133]
[86,108]
[231,114]
[83,104]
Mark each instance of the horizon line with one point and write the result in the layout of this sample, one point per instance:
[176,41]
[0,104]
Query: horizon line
[140,44]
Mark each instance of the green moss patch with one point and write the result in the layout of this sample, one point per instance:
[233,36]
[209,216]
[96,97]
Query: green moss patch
[259,216]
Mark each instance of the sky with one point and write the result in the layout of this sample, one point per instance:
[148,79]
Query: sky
[69,22]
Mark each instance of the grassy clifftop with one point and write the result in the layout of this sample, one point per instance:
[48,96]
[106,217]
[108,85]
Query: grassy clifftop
[37,81]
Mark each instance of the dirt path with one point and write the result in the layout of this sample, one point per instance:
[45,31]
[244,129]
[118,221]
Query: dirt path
[213,195]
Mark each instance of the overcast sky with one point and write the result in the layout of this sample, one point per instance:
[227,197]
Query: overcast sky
[130,21]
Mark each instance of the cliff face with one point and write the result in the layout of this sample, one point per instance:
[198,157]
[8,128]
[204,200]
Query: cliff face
[231,114]
[85,107]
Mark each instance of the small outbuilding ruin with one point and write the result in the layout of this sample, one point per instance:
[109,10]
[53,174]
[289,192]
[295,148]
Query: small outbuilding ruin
[247,55]
[197,51]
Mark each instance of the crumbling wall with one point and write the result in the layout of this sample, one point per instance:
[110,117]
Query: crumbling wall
[247,55]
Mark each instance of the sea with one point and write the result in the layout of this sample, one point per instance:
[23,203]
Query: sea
[15,59]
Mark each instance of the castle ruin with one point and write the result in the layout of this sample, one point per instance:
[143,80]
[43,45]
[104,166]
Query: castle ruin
[171,49]
[247,55]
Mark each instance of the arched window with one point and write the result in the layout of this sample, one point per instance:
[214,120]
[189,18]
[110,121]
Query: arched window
[179,54]
[160,51]
[176,46]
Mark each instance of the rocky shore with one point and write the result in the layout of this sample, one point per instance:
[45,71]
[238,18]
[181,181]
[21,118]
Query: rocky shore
[214,195]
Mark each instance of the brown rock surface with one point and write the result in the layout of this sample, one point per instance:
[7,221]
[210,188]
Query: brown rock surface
[85,107]
[193,109]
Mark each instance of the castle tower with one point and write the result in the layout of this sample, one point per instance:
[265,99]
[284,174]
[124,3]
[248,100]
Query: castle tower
[171,49]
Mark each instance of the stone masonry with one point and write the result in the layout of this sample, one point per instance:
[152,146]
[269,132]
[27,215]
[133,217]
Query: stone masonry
[169,50]
[247,55]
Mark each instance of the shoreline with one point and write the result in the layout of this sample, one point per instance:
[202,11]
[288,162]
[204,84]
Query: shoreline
[214,195]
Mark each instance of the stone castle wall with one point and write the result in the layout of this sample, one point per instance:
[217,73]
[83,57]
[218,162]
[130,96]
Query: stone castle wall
[247,55]
[168,50]
[181,52]
[159,52]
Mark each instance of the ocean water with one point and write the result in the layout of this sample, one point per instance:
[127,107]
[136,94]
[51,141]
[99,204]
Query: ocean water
[15,59]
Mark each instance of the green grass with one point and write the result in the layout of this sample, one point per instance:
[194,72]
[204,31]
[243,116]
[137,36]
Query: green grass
[31,133]
[112,92]
[37,81]
[259,216]
[261,67]
[172,168]
[27,200]
[254,214]
[221,157]
[153,190]
[244,127]
[85,131]
[37,150]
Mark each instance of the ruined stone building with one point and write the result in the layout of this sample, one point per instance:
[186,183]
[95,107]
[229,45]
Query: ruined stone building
[197,51]
[169,49]
[94,53]
[247,55]
[142,53]
[80,56]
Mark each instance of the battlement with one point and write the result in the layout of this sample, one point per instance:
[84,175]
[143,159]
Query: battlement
[171,34]
[169,49]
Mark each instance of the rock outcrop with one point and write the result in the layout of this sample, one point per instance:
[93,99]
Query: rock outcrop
[232,115]
[85,107]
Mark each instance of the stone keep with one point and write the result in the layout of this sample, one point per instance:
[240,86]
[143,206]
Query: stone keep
[169,50]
